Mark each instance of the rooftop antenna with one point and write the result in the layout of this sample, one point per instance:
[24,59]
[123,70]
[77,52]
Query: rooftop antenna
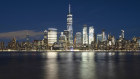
[69,8]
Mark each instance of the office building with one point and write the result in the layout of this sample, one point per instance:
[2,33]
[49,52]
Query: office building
[62,38]
[99,38]
[122,34]
[78,39]
[66,33]
[27,37]
[85,35]
[45,34]
[91,34]
[69,26]
[52,36]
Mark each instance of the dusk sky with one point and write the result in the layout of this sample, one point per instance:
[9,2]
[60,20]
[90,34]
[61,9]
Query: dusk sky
[38,15]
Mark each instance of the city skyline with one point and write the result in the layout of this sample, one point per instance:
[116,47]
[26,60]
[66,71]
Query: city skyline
[69,39]
[130,31]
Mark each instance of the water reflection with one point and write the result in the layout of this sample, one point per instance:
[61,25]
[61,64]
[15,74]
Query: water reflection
[69,65]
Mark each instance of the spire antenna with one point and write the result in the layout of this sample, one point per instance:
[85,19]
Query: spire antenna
[69,9]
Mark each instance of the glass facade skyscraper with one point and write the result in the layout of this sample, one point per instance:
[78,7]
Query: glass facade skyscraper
[85,35]
[52,36]
[91,34]
[69,26]
[99,38]
[78,38]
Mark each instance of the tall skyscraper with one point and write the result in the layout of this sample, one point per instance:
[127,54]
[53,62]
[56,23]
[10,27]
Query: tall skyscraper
[62,38]
[113,40]
[27,37]
[66,33]
[103,35]
[91,34]
[45,34]
[122,35]
[78,39]
[45,40]
[99,38]
[52,36]
[85,35]
[69,26]
[139,42]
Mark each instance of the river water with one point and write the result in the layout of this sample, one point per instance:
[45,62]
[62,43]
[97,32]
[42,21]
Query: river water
[70,65]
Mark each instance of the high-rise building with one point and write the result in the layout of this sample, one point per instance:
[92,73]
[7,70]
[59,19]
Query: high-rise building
[69,26]
[45,34]
[111,40]
[139,42]
[91,34]
[103,35]
[45,40]
[122,34]
[78,39]
[85,35]
[2,46]
[66,33]
[27,44]
[62,38]
[99,38]
[13,44]
[27,37]
[52,36]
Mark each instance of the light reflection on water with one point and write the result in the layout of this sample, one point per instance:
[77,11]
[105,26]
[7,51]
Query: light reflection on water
[70,65]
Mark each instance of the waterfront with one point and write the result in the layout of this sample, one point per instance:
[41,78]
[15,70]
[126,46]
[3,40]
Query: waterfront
[69,65]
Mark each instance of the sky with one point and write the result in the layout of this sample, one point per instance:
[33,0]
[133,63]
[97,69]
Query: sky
[20,16]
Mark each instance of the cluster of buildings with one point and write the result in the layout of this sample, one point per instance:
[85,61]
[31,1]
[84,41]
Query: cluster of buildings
[85,40]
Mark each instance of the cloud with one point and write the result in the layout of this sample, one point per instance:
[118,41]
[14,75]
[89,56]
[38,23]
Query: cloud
[21,34]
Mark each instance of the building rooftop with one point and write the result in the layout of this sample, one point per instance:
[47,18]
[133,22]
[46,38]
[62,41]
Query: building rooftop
[52,29]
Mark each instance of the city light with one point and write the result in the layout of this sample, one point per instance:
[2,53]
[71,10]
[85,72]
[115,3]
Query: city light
[83,40]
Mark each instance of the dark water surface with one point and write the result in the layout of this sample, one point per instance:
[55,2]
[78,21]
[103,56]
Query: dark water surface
[70,65]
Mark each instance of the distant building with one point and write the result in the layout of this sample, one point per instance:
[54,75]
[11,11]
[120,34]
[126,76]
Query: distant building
[52,36]
[122,34]
[58,46]
[85,35]
[111,42]
[61,44]
[26,45]
[91,34]
[99,38]
[45,40]
[13,44]
[103,36]
[2,46]
[139,42]
[66,33]
[45,34]
[62,38]
[27,37]
[78,39]
[37,44]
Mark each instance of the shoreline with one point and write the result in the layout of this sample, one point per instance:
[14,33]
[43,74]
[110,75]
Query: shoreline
[69,50]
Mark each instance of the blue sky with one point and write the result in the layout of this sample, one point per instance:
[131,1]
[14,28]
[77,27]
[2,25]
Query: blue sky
[38,15]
